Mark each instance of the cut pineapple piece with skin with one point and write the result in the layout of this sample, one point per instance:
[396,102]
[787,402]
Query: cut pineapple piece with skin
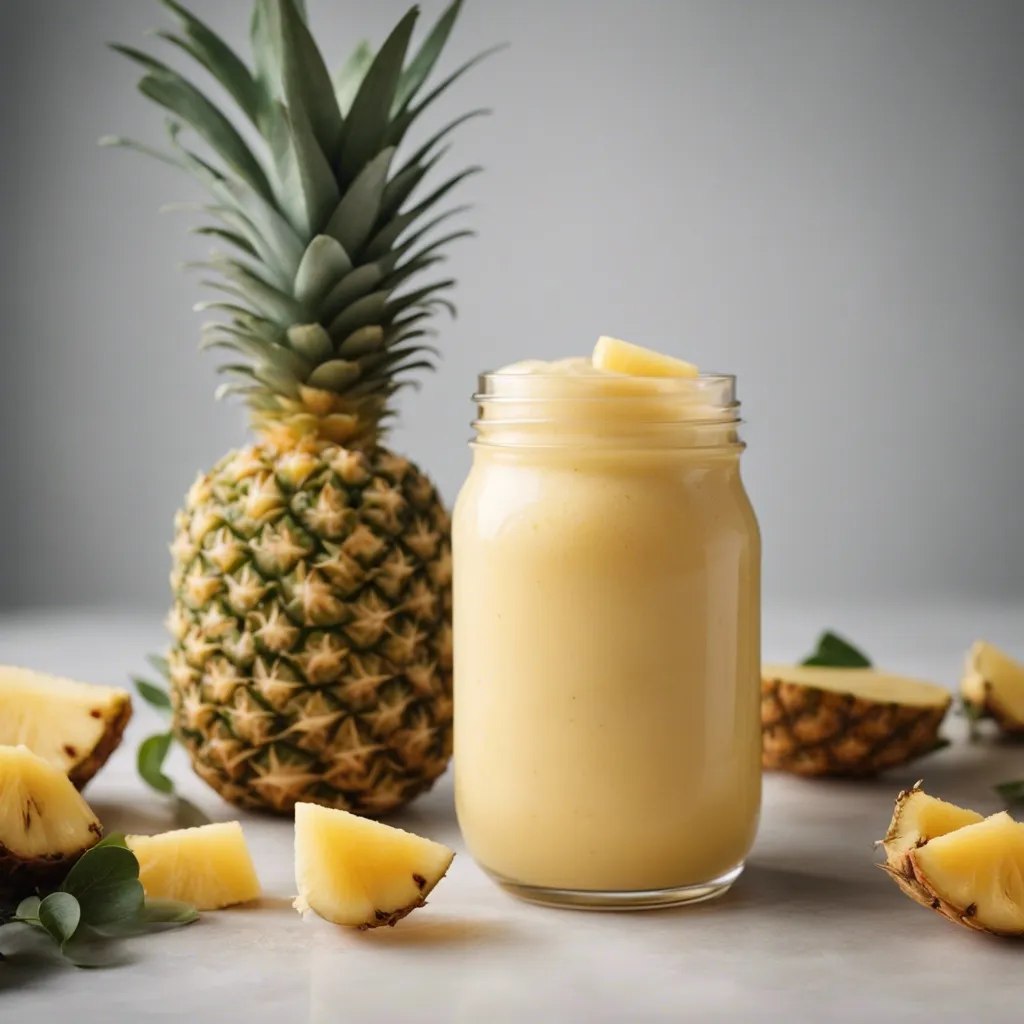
[45,825]
[917,819]
[209,867]
[618,356]
[992,686]
[846,721]
[975,875]
[75,726]
[361,873]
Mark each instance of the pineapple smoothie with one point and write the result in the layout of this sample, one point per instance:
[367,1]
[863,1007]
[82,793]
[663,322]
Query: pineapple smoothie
[607,633]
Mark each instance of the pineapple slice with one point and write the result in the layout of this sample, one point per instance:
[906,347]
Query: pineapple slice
[846,721]
[360,873]
[209,867]
[975,875]
[74,726]
[917,819]
[624,357]
[45,825]
[993,686]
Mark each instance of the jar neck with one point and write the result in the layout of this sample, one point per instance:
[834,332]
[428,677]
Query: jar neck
[608,411]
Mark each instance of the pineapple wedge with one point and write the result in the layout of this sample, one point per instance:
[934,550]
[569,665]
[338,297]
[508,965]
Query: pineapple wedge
[846,721]
[975,875]
[45,825]
[992,686]
[209,867]
[360,873]
[619,356]
[74,726]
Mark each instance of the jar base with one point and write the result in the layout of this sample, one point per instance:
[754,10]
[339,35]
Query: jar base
[635,899]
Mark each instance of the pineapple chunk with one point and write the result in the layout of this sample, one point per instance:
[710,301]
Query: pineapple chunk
[975,875]
[209,867]
[45,825]
[360,873]
[917,819]
[74,726]
[624,357]
[993,685]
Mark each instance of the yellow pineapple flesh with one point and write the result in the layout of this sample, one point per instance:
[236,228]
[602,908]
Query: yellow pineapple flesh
[975,875]
[846,721]
[74,726]
[917,819]
[209,867]
[45,825]
[619,356]
[361,873]
[992,686]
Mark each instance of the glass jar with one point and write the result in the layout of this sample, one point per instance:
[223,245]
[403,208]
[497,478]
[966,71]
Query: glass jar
[607,640]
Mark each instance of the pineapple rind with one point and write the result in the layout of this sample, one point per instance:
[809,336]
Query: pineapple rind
[832,730]
[75,726]
[45,825]
[992,685]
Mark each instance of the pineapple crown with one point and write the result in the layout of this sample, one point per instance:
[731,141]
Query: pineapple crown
[324,232]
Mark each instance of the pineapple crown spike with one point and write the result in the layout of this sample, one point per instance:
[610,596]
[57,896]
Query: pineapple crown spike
[324,229]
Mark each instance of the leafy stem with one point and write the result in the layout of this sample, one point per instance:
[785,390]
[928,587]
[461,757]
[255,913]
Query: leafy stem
[835,652]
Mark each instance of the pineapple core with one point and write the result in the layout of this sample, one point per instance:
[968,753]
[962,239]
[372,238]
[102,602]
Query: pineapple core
[360,873]
[978,871]
[624,357]
[209,867]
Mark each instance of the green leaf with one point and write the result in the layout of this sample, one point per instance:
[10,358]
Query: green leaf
[168,912]
[306,82]
[139,147]
[401,124]
[361,342]
[311,341]
[352,286]
[60,914]
[422,64]
[355,216]
[105,881]
[419,158]
[28,909]
[323,264]
[151,756]
[414,298]
[351,74]
[268,301]
[187,815]
[835,652]
[153,695]
[115,839]
[1012,792]
[367,310]
[368,121]
[167,88]
[205,46]
[230,237]
[335,375]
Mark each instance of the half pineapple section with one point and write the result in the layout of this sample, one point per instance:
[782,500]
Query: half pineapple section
[992,686]
[971,870]
[209,867]
[74,726]
[45,825]
[311,625]
[846,722]
[361,873]
[619,356]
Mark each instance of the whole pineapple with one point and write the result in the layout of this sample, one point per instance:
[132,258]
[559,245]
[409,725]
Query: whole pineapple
[312,654]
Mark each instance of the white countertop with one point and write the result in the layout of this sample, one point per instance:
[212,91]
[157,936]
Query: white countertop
[812,931]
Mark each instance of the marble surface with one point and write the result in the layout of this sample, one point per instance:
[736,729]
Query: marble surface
[811,932]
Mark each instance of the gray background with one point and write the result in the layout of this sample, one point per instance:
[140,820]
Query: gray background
[822,196]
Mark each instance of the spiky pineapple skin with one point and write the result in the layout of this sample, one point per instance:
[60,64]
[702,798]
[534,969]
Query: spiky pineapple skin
[813,732]
[312,646]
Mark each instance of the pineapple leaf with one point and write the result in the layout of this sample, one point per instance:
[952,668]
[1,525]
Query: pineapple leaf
[421,154]
[267,301]
[367,125]
[311,341]
[351,74]
[170,90]
[422,64]
[324,262]
[306,82]
[354,217]
[352,286]
[403,122]
[139,147]
[362,341]
[835,652]
[209,50]
[232,237]
[363,312]
[416,297]
[335,375]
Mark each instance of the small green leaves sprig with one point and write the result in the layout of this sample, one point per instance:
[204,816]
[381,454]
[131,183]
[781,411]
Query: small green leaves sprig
[101,899]
[154,749]
[835,652]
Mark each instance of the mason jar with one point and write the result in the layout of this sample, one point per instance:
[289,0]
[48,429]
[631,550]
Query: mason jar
[607,639]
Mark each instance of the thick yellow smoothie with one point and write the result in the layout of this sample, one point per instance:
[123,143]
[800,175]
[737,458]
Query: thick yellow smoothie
[607,643]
